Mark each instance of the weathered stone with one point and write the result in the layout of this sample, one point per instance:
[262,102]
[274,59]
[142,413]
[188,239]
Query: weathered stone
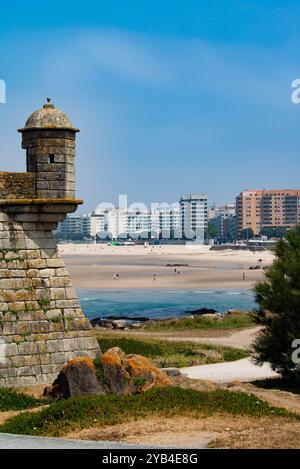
[130,374]
[77,378]
[119,324]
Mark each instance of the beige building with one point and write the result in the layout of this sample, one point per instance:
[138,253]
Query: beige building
[257,209]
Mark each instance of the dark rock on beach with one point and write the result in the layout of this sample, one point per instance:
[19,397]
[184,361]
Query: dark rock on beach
[118,322]
[202,311]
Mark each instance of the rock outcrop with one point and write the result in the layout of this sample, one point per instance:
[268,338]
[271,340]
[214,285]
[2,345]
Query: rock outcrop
[77,378]
[112,373]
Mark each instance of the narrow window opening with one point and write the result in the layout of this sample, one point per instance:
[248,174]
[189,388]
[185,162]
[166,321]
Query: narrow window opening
[51,159]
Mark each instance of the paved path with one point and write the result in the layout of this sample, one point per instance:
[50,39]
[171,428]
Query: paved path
[239,370]
[8,441]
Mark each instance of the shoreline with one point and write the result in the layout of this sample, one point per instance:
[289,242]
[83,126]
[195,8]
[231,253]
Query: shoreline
[163,304]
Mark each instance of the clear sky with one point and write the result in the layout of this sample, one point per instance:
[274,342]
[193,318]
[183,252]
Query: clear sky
[172,96]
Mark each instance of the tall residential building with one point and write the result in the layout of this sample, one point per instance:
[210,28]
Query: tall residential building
[96,223]
[225,225]
[193,210]
[71,225]
[128,223]
[257,209]
[170,223]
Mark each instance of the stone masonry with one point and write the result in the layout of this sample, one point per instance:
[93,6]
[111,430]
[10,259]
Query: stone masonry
[41,322]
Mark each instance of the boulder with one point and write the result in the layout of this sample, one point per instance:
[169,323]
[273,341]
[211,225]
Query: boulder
[130,374]
[210,316]
[172,371]
[112,373]
[115,374]
[120,323]
[211,355]
[101,322]
[136,325]
[77,378]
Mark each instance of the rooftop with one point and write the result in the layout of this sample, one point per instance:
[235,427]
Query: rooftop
[49,117]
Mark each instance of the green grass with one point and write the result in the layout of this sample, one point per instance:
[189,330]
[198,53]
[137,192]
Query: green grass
[12,400]
[233,321]
[84,412]
[171,354]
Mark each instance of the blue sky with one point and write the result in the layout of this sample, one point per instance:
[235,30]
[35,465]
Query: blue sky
[172,97]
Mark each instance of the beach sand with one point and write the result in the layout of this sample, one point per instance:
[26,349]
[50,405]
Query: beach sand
[143,267]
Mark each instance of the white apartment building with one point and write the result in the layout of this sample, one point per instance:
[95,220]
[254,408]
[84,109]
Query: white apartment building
[162,222]
[128,223]
[193,209]
[95,223]
[170,223]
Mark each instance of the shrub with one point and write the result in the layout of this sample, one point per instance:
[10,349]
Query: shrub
[279,299]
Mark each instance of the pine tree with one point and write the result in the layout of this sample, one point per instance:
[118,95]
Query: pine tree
[278,297]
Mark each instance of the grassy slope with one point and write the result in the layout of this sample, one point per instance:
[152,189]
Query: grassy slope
[233,321]
[83,412]
[12,400]
[167,353]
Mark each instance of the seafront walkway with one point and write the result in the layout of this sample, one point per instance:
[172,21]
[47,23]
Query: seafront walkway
[8,441]
[240,370]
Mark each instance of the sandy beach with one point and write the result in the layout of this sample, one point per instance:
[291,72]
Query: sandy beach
[143,267]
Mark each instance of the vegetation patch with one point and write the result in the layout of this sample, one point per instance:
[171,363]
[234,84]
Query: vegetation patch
[233,321]
[280,384]
[278,297]
[12,400]
[83,412]
[171,354]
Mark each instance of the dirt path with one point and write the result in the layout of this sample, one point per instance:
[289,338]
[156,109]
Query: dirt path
[241,338]
[221,431]
[285,399]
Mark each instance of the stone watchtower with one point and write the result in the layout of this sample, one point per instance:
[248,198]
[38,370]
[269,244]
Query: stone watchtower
[49,140]
[41,323]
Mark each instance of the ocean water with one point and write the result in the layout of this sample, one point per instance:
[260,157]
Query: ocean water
[161,303]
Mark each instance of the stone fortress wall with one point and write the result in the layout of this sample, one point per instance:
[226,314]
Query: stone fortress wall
[41,322]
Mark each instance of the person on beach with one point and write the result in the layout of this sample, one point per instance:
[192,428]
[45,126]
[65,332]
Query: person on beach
[244,275]
[154,277]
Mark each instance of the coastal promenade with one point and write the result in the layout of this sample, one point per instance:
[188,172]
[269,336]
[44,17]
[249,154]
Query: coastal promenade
[240,370]
[8,441]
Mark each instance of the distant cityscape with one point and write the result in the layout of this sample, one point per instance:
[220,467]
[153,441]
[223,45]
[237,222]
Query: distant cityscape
[260,214]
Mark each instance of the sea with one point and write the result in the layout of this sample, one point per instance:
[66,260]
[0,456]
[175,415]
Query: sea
[156,304]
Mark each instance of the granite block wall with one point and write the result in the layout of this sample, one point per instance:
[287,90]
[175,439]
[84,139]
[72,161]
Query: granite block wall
[41,322]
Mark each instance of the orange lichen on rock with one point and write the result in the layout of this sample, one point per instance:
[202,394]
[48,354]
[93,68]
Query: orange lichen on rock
[79,360]
[77,378]
[112,373]
[139,367]
[113,356]
[130,374]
